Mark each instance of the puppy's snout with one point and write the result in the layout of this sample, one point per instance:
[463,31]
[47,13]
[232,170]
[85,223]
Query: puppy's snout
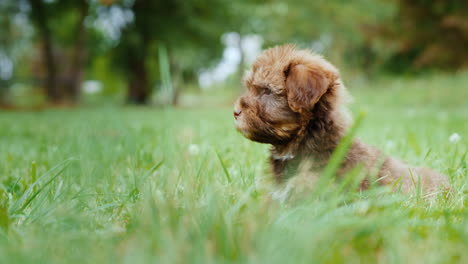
[238,106]
[237,113]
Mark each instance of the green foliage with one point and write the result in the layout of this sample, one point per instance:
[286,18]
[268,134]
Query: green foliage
[101,69]
[145,185]
[424,35]
[189,28]
[359,36]
[334,28]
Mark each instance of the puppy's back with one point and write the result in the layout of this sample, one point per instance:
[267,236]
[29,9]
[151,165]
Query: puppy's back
[428,180]
[391,170]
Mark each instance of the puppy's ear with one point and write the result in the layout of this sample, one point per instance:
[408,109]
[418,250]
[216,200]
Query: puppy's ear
[305,85]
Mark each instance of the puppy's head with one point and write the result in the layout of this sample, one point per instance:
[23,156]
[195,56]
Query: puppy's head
[283,87]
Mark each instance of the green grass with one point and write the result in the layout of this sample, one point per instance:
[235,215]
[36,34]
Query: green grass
[146,185]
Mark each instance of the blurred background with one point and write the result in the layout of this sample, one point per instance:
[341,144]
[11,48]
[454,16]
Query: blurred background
[93,52]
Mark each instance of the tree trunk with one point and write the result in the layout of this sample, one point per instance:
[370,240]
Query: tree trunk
[40,19]
[76,71]
[177,81]
[137,92]
[138,88]
[4,94]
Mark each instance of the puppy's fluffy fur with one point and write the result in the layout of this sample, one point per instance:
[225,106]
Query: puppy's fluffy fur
[295,101]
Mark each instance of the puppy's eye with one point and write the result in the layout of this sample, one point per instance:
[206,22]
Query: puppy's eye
[266,91]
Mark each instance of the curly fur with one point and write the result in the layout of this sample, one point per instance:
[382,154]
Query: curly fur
[295,101]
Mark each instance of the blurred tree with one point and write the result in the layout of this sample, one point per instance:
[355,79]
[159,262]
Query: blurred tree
[249,18]
[330,27]
[15,47]
[95,37]
[426,34]
[78,54]
[134,48]
[39,16]
[189,29]
[61,29]
[7,42]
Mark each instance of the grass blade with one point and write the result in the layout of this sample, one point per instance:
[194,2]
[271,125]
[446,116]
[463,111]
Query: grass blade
[226,173]
[27,198]
[338,155]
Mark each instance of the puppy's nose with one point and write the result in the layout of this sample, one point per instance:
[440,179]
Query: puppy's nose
[237,113]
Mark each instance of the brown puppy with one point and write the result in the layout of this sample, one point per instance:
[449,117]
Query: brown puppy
[295,102]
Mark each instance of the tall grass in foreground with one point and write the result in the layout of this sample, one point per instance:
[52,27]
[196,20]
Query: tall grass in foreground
[140,185]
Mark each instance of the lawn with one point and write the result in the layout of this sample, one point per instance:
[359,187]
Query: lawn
[165,185]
